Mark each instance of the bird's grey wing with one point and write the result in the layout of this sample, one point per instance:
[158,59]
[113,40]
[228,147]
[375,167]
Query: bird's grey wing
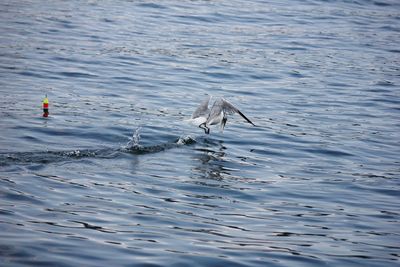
[229,108]
[215,111]
[202,109]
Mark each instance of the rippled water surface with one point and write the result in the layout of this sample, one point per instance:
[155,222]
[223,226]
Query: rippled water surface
[115,176]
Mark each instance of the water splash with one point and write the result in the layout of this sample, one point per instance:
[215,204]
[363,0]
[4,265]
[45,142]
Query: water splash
[185,140]
[134,146]
[134,140]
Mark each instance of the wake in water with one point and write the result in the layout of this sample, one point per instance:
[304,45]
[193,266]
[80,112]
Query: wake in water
[133,147]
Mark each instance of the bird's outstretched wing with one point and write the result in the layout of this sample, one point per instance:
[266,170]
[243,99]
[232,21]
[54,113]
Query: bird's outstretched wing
[230,109]
[201,110]
[215,112]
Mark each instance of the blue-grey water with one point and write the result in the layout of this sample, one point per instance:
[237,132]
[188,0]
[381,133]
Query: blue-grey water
[115,176]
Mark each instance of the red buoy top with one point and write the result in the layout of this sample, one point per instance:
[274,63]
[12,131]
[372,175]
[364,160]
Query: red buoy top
[45,107]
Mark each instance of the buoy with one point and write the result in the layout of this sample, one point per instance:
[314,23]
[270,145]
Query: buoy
[45,107]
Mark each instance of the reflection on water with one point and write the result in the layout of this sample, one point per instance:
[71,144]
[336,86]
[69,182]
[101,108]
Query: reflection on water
[210,159]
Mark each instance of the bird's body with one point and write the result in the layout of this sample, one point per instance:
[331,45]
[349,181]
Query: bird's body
[204,117]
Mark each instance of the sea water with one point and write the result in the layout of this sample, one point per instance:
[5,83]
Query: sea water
[116,177]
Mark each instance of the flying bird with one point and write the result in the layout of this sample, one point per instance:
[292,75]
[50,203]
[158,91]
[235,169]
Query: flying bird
[203,116]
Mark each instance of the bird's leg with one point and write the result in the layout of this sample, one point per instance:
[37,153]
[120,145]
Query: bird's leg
[206,129]
[223,122]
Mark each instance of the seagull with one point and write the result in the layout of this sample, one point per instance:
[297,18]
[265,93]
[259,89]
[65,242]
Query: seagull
[204,117]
